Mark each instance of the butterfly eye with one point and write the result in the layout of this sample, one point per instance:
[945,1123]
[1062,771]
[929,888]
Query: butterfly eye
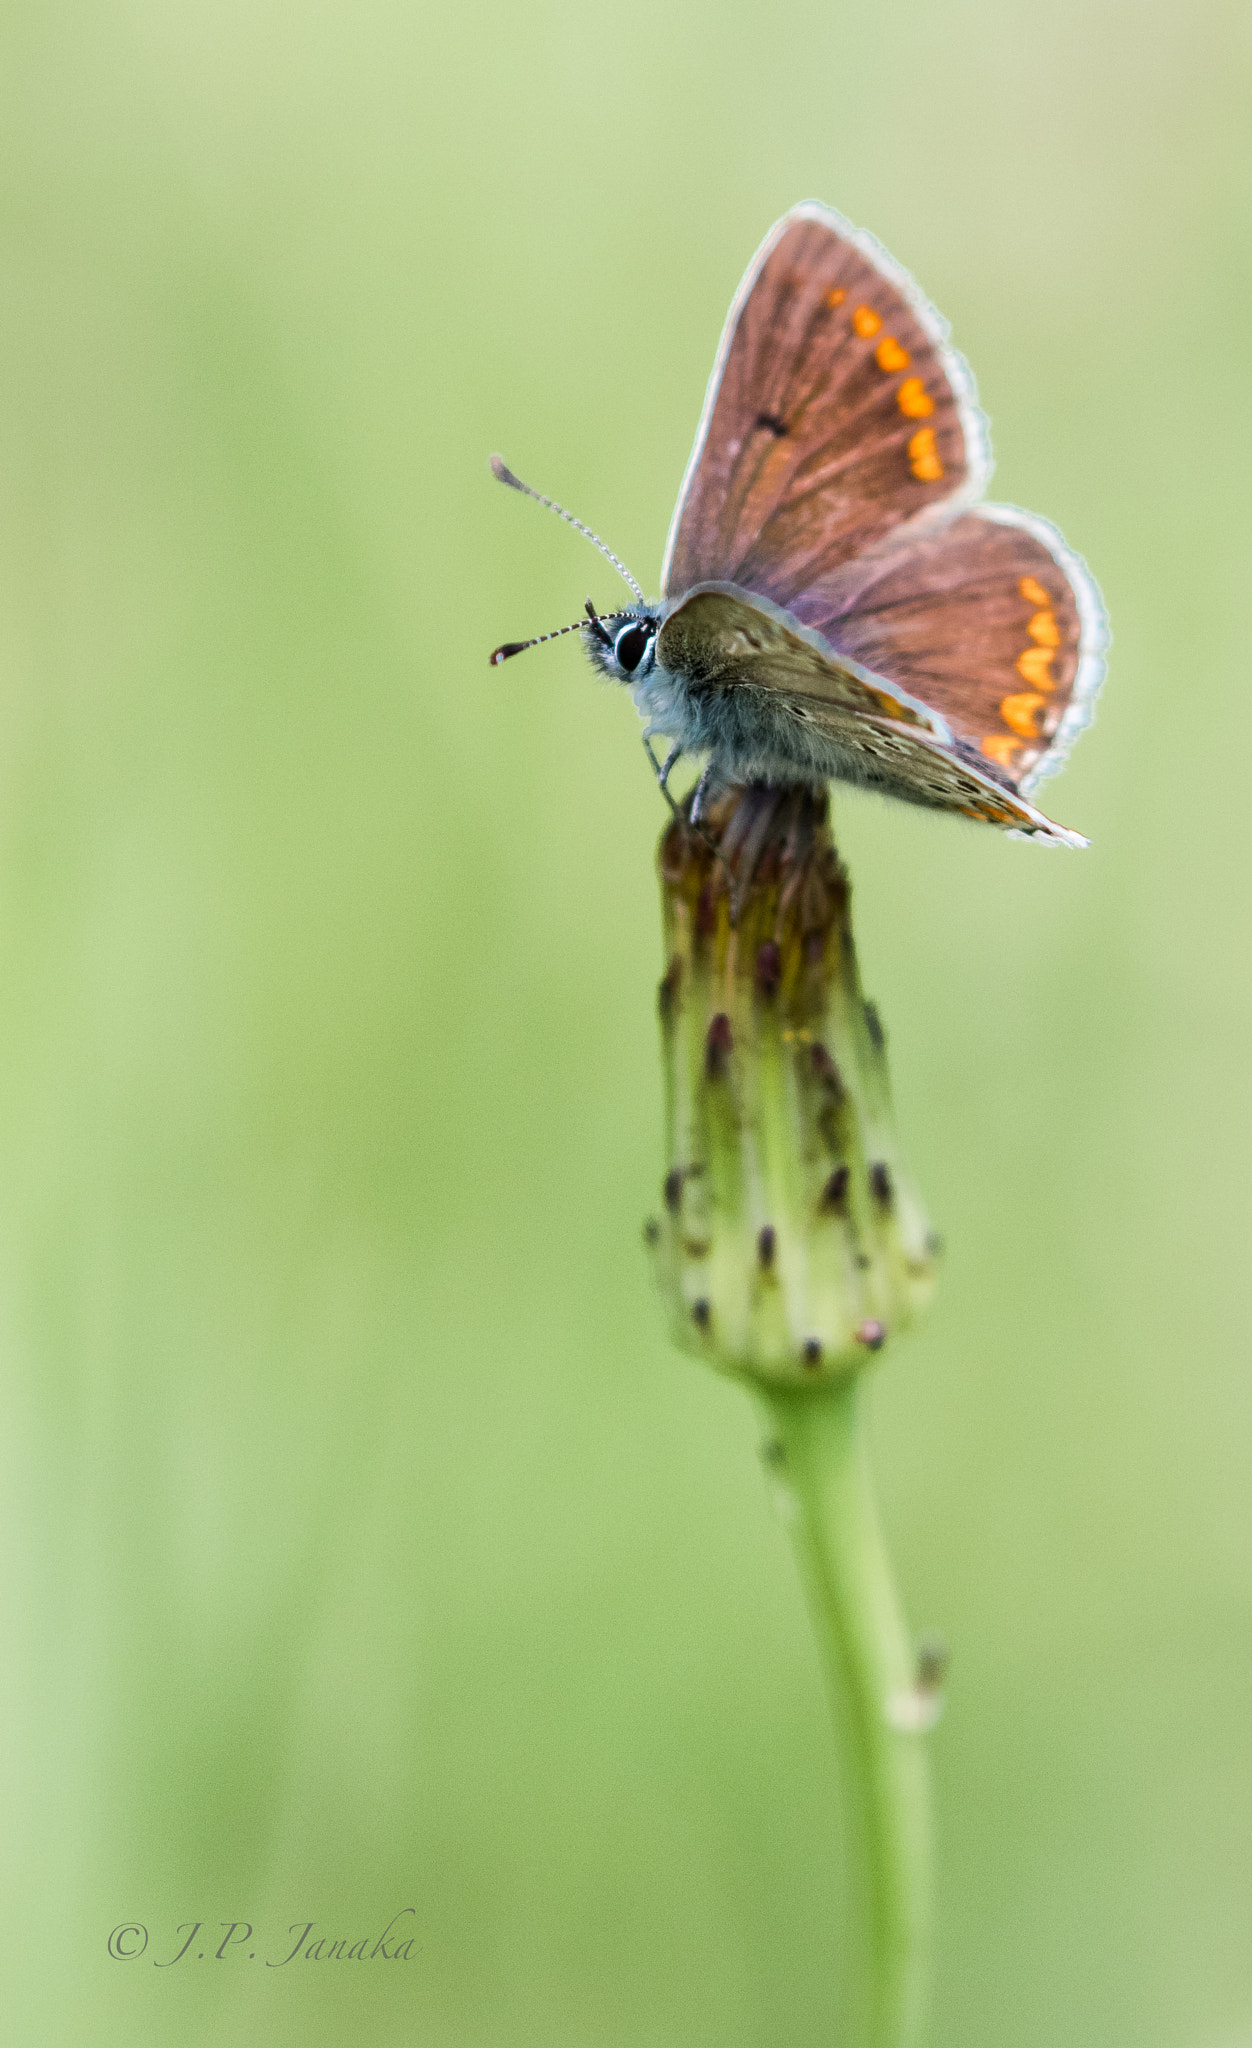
[631,645]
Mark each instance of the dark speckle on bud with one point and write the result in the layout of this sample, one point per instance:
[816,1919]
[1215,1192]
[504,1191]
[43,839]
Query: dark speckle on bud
[701,1314]
[835,1192]
[768,969]
[766,1245]
[667,994]
[873,1024]
[652,1231]
[872,1335]
[880,1184]
[674,1189]
[773,1452]
[673,860]
[825,1070]
[812,1352]
[706,912]
[717,1046]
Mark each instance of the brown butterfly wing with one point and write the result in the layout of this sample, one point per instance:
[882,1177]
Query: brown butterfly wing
[989,619]
[835,413]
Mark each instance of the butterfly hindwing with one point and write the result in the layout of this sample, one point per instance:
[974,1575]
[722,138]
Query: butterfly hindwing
[989,619]
[836,412]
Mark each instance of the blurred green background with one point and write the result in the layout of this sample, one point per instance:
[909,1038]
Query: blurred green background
[363,1544]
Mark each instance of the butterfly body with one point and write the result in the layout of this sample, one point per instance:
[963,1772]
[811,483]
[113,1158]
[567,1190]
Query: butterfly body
[701,683]
[838,603]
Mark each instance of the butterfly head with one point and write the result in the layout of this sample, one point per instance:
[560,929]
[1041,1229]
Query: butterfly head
[623,648]
[622,645]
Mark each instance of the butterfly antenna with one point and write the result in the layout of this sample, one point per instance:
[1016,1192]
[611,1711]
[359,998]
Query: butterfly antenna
[506,476]
[512,647]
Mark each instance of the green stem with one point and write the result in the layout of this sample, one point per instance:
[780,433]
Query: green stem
[817,1456]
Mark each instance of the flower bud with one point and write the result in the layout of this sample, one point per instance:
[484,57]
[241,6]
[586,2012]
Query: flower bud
[790,1244]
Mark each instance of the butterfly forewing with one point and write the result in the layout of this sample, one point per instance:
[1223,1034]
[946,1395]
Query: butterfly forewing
[836,412]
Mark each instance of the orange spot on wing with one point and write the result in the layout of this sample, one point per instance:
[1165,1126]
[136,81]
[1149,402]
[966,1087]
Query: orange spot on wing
[1020,713]
[894,709]
[989,813]
[913,399]
[890,356]
[1044,629]
[866,322]
[924,456]
[1034,593]
[1034,668]
[1000,748]
[835,298]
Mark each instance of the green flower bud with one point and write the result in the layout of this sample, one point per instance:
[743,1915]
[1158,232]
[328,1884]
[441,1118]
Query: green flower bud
[791,1245]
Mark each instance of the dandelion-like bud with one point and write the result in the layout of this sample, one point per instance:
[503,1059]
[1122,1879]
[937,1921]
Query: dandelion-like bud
[791,1245]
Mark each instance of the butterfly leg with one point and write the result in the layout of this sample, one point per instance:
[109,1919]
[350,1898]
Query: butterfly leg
[662,773]
[701,792]
[692,818]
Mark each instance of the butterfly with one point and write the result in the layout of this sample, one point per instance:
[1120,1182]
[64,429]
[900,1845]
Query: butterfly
[838,602]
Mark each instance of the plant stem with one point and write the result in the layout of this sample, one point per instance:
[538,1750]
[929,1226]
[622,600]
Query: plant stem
[816,1453]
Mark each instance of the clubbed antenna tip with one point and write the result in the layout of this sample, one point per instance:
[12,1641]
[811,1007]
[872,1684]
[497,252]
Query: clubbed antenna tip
[501,470]
[512,647]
